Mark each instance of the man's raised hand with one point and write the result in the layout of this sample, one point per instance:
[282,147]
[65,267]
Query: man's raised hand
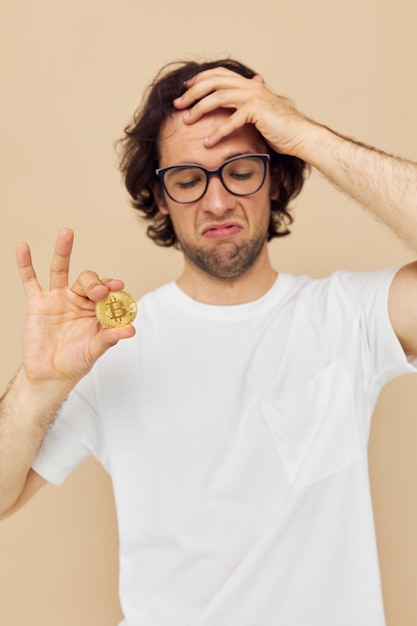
[62,338]
[251,102]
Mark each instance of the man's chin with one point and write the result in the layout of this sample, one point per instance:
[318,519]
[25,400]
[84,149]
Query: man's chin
[226,262]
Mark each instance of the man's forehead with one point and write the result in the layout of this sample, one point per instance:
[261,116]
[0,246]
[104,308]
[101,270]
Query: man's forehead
[174,123]
[187,140]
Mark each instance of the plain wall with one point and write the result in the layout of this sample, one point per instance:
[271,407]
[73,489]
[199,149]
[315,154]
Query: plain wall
[71,75]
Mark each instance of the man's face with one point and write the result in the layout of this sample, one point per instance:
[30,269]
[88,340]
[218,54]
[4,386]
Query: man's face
[221,234]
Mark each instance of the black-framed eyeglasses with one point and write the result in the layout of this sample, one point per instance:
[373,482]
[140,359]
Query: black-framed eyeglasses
[241,175]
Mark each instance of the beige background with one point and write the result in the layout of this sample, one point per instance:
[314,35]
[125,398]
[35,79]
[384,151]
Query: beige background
[71,75]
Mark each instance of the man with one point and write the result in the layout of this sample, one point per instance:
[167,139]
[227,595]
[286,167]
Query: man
[234,423]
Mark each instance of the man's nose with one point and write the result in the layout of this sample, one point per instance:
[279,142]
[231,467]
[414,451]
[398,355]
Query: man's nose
[217,199]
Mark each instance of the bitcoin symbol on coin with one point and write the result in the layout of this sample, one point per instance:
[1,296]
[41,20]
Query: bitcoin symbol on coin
[117,309]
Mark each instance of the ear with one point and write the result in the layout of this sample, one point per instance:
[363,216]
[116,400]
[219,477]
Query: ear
[159,196]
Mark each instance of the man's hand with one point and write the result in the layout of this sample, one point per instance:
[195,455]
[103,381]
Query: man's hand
[62,338]
[252,102]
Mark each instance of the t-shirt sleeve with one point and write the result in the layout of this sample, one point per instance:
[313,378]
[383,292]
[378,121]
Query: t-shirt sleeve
[71,438]
[381,347]
[371,353]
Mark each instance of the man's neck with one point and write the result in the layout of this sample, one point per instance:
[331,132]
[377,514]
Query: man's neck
[228,291]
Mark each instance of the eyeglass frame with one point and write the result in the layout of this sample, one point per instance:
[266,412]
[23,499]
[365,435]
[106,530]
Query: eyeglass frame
[209,173]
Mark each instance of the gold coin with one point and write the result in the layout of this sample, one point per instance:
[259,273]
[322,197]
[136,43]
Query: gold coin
[117,309]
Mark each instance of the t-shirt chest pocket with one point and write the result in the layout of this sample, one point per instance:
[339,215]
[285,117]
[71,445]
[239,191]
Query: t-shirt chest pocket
[315,429]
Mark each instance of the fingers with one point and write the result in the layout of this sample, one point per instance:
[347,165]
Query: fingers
[223,99]
[210,81]
[90,285]
[59,265]
[26,272]
[208,91]
[220,88]
[258,79]
[228,127]
[61,259]
[215,78]
[109,337]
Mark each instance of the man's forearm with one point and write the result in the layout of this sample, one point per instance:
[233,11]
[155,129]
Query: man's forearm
[383,184]
[26,412]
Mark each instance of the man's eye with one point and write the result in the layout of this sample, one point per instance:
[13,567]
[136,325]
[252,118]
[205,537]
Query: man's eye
[188,184]
[244,175]
[185,178]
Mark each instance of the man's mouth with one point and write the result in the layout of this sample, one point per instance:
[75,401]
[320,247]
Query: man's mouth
[222,231]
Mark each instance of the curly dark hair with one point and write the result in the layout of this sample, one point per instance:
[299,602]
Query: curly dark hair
[139,152]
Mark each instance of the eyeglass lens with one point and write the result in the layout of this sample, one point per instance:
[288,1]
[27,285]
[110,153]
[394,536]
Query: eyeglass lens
[241,177]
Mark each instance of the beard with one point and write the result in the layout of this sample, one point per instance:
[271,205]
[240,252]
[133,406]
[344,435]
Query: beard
[228,260]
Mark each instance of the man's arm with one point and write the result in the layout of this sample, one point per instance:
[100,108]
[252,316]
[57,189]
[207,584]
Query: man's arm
[62,339]
[381,183]
[22,426]
[386,186]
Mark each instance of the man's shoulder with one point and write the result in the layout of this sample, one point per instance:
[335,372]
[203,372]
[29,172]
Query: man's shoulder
[343,288]
[343,279]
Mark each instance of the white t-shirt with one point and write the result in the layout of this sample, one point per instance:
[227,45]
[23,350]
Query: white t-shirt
[236,440]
